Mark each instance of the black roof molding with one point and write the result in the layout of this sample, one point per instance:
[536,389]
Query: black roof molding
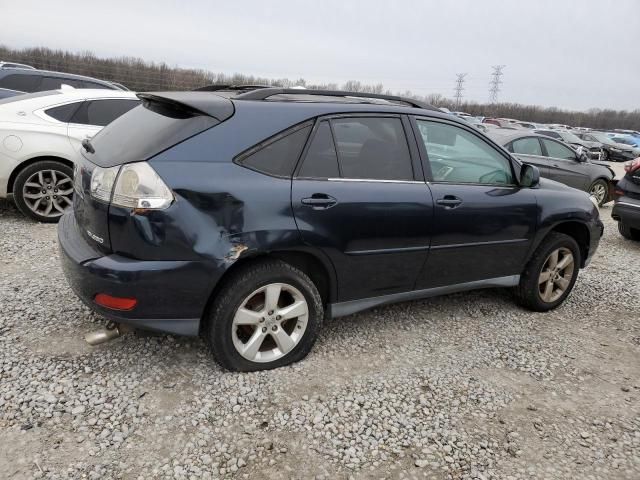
[228,87]
[265,93]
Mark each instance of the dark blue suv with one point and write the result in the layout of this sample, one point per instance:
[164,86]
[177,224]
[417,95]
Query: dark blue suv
[247,216]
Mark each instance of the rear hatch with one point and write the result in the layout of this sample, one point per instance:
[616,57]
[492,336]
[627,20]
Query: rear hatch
[160,122]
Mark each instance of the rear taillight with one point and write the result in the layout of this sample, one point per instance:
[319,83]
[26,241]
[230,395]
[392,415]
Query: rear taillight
[134,185]
[632,166]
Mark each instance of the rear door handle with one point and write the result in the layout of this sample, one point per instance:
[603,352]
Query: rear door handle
[319,201]
[449,201]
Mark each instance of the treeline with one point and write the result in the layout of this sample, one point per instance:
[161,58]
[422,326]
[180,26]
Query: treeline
[141,75]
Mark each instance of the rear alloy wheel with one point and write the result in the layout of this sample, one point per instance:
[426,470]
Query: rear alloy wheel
[627,232]
[270,322]
[550,274]
[43,191]
[600,190]
[267,315]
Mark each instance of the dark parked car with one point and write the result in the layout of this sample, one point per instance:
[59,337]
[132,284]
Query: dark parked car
[614,152]
[626,210]
[593,149]
[30,81]
[5,93]
[560,162]
[249,218]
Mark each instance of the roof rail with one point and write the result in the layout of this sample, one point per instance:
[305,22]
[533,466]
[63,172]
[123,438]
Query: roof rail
[216,87]
[264,93]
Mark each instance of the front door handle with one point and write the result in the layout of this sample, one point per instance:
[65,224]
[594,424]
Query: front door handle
[449,201]
[319,201]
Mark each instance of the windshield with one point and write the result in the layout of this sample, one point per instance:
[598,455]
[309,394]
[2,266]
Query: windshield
[601,137]
[570,137]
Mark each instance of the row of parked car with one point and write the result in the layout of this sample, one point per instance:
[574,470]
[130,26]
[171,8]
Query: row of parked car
[248,214]
[615,146]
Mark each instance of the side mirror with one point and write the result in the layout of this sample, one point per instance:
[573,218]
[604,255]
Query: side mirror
[529,176]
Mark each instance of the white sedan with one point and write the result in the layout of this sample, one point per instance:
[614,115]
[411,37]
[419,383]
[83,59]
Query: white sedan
[41,135]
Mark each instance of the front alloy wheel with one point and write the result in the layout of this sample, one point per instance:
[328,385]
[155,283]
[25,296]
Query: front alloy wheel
[550,274]
[600,191]
[556,275]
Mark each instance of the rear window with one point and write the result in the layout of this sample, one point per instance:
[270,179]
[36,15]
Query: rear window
[103,112]
[144,132]
[23,83]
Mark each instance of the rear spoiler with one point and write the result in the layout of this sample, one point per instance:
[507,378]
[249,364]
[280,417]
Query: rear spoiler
[194,103]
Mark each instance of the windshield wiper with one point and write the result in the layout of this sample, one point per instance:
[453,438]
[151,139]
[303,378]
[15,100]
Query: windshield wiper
[86,144]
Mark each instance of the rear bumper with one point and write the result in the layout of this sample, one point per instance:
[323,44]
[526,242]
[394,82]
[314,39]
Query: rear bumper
[171,295]
[627,211]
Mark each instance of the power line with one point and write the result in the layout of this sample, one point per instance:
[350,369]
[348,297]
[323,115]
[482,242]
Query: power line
[459,88]
[494,85]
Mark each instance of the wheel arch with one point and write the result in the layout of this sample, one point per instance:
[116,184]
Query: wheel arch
[579,232]
[24,164]
[318,269]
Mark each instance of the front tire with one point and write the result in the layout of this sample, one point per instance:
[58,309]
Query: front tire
[627,232]
[551,273]
[44,190]
[267,315]
[600,190]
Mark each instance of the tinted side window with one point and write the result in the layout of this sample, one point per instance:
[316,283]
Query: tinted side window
[102,112]
[63,113]
[458,156]
[24,83]
[93,85]
[277,156]
[527,146]
[321,160]
[557,150]
[372,148]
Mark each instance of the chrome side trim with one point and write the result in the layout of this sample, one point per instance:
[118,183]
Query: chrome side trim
[478,244]
[373,180]
[353,306]
[383,251]
[627,204]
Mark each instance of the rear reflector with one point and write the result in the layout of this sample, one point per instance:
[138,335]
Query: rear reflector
[115,303]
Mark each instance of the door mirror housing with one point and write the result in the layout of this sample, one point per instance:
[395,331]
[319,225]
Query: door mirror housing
[529,176]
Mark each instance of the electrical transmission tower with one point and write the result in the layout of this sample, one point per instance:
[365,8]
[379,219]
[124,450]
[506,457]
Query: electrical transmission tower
[459,88]
[494,85]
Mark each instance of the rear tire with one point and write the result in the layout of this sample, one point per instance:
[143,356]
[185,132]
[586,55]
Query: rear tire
[627,232]
[35,188]
[243,314]
[543,285]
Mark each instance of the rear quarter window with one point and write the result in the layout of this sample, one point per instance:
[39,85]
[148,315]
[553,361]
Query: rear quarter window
[278,155]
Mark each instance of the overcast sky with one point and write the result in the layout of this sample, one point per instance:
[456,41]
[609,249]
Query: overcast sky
[572,54]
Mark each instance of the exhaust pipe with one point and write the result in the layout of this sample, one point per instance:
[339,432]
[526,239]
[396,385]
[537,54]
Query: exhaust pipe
[110,332]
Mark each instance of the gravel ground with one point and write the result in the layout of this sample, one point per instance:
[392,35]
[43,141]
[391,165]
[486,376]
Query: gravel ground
[463,386]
